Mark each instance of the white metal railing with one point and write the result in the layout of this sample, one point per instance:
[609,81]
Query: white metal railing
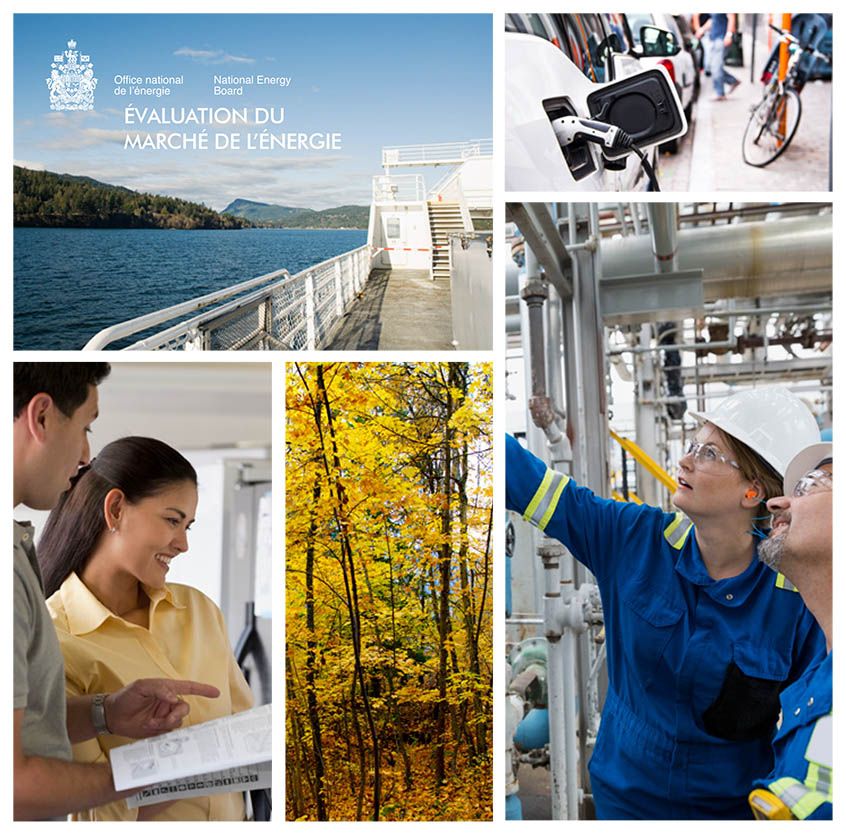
[436,153]
[441,186]
[403,188]
[475,196]
[274,311]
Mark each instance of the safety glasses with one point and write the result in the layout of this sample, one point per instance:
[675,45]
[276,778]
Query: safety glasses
[707,457]
[813,482]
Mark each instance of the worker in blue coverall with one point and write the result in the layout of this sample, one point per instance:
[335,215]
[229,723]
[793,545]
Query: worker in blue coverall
[799,546]
[701,637]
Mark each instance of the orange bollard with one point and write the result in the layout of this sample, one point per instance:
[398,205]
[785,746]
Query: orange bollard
[783,56]
[783,53]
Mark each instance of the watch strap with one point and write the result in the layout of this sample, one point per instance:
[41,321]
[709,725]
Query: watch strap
[98,714]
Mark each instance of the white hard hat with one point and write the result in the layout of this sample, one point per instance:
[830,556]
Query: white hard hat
[774,422]
[804,461]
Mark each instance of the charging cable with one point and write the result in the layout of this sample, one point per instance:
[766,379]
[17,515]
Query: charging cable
[570,129]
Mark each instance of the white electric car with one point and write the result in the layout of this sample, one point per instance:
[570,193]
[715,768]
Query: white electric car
[562,69]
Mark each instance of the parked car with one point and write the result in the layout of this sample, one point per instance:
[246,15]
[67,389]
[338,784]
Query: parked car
[559,66]
[693,45]
[681,65]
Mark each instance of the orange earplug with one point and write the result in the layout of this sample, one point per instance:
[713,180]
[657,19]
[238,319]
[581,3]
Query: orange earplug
[750,494]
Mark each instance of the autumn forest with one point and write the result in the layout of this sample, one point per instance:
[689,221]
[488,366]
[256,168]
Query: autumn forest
[389,589]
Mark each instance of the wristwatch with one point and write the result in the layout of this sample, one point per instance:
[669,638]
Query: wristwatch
[98,714]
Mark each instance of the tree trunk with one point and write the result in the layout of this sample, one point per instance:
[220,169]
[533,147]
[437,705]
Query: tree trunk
[444,568]
[362,754]
[341,518]
[311,661]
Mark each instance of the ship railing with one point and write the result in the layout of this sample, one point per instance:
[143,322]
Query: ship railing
[443,185]
[451,187]
[402,188]
[274,311]
[438,153]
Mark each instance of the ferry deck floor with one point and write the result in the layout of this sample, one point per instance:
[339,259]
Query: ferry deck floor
[397,310]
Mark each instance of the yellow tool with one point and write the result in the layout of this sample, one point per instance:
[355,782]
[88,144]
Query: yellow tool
[645,461]
[767,806]
[633,497]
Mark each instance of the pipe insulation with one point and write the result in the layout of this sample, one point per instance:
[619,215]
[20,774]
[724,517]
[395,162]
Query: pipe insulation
[771,258]
[739,260]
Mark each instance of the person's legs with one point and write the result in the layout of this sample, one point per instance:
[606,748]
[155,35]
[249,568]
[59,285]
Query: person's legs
[706,55]
[720,77]
[718,51]
[729,80]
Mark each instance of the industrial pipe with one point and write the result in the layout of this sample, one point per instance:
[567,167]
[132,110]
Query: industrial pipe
[535,294]
[662,228]
[739,260]
[762,258]
[551,554]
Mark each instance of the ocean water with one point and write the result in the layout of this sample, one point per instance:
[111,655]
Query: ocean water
[71,283]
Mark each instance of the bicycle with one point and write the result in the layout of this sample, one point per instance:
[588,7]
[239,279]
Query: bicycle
[774,120]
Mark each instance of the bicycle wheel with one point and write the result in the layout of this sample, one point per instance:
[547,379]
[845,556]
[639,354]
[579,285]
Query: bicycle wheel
[771,126]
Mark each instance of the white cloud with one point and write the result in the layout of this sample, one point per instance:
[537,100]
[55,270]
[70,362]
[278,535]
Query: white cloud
[280,163]
[72,118]
[213,56]
[85,138]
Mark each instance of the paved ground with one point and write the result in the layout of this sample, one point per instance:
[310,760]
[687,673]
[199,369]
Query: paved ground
[535,791]
[710,156]
[397,310]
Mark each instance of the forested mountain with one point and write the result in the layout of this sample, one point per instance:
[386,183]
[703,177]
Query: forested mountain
[260,213]
[43,198]
[289,217]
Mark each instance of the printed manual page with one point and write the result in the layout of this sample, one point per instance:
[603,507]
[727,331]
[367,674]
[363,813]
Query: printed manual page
[240,740]
[239,779]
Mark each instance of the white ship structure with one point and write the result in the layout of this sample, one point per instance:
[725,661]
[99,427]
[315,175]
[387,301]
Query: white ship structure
[422,281]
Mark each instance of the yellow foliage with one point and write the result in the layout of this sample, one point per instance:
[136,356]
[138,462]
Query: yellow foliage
[373,520]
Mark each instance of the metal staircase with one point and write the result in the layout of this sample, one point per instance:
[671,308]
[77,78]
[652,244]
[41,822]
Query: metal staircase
[444,218]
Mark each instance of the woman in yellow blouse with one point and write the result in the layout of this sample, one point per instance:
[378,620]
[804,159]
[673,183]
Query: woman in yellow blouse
[104,555]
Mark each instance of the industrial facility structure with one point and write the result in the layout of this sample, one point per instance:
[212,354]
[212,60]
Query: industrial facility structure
[620,317]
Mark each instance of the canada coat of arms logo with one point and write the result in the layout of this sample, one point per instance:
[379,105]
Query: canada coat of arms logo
[71,83]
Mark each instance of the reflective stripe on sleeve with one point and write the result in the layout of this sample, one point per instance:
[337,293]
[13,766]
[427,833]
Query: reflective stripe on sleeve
[801,800]
[676,532]
[819,779]
[783,583]
[540,510]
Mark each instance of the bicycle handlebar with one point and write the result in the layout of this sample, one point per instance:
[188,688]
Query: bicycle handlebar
[783,32]
[805,47]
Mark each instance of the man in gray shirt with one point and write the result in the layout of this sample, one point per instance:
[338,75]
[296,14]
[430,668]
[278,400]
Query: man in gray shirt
[54,406]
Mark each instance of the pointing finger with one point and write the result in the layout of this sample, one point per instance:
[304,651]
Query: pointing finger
[197,689]
[169,689]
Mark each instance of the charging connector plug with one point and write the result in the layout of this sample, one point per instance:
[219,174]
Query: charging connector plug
[573,129]
[570,129]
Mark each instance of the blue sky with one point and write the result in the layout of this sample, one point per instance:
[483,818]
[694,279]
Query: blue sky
[379,80]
